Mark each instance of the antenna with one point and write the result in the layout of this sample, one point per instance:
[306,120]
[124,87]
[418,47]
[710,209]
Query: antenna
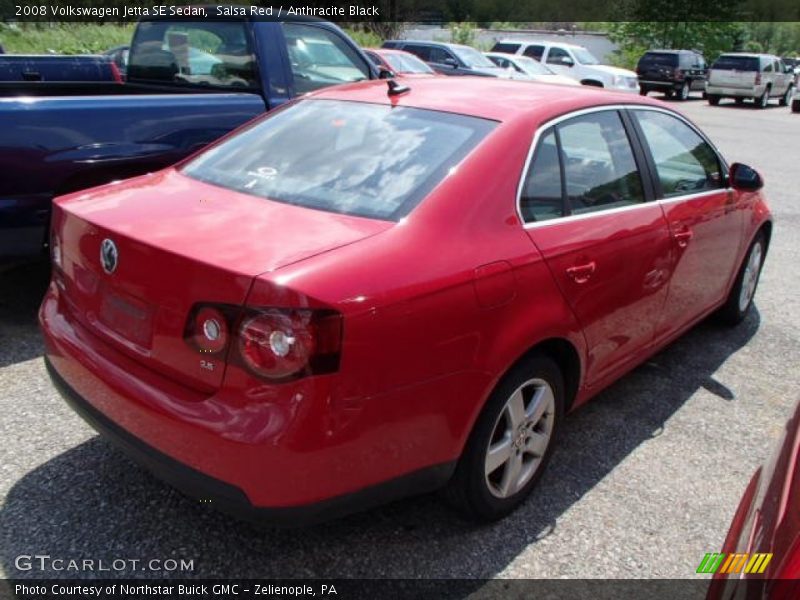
[395,89]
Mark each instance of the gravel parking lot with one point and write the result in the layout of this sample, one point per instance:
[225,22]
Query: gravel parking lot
[644,481]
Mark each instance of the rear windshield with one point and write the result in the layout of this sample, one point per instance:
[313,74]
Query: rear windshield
[736,63]
[505,47]
[368,160]
[659,58]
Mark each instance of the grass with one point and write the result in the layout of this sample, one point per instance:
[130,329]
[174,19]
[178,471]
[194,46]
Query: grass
[63,38]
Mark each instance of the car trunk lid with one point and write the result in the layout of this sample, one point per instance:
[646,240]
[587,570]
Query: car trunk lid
[137,257]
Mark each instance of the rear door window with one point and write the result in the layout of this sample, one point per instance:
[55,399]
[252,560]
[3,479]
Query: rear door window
[659,59]
[370,160]
[582,165]
[213,53]
[685,162]
[556,56]
[535,51]
[320,58]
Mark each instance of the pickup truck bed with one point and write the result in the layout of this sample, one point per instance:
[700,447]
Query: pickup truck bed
[33,67]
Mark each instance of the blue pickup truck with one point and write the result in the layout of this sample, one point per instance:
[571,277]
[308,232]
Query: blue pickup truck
[188,83]
[56,67]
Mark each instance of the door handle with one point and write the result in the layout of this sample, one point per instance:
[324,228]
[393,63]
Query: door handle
[582,273]
[683,237]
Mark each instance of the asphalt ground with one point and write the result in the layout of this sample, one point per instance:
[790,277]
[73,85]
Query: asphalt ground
[643,483]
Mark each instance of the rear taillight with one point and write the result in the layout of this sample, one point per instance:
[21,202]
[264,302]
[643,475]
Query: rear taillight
[115,74]
[273,343]
[758,78]
[678,73]
[279,344]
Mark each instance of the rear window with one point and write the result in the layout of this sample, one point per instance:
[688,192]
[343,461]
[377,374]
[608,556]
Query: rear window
[368,160]
[505,47]
[660,59]
[736,63]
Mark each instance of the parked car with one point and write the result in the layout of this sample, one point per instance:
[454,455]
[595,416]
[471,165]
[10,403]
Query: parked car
[450,59]
[402,64]
[119,56]
[57,67]
[760,557]
[60,137]
[793,63]
[528,69]
[678,72]
[756,77]
[572,61]
[267,326]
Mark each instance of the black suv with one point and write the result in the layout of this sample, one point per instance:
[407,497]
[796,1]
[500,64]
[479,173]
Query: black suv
[672,71]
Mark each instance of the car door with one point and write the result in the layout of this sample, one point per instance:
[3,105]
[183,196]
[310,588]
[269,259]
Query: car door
[555,60]
[705,222]
[781,78]
[587,210]
[534,51]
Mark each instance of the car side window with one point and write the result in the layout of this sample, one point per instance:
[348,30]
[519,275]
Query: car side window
[556,56]
[535,52]
[685,162]
[600,170]
[439,55]
[768,68]
[421,52]
[320,58]
[542,197]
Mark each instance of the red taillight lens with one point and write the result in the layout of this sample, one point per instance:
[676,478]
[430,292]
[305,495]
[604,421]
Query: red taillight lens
[758,78]
[278,343]
[208,330]
[115,73]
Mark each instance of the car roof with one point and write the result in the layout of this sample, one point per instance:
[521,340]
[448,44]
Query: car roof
[488,98]
[748,54]
[659,51]
[429,43]
[539,43]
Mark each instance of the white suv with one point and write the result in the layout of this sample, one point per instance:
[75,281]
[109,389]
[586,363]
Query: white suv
[758,77]
[573,61]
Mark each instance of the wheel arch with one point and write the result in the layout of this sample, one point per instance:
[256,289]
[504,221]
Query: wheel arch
[592,82]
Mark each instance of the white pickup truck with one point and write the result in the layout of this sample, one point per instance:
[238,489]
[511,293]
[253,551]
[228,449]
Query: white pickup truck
[757,77]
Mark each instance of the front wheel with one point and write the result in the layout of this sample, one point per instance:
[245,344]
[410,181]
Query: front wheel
[786,99]
[796,105]
[512,441]
[643,91]
[713,100]
[740,299]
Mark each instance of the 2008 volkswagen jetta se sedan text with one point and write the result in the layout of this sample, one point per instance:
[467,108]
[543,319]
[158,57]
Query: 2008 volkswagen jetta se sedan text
[378,291]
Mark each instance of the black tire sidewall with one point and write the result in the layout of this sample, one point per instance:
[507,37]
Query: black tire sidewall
[731,312]
[482,502]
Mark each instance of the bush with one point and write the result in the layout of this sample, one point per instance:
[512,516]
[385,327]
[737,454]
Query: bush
[63,38]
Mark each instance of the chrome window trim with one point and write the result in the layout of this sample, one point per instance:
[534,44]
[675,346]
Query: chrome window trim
[609,107]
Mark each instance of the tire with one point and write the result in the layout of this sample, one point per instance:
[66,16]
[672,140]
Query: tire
[668,93]
[683,93]
[796,105]
[643,91]
[713,100]
[739,101]
[762,101]
[743,291]
[523,441]
[786,99]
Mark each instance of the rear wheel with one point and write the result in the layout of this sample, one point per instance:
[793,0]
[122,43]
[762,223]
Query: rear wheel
[512,441]
[796,105]
[668,93]
[786,99]
[739,101]
[643,91]
[763,101]
[713,100]
[740,299]
[683,93]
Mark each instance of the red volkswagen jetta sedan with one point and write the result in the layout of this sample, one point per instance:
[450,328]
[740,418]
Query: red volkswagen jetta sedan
[377,291]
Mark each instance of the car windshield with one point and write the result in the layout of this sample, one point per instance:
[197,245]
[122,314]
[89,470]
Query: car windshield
[354,158]
[505,47]
[472,58]
[736,63]
[585,57]
[532,67]
[406,63]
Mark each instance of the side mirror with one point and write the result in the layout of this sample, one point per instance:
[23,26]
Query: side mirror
[451,62]
[745,179]
[788,69]
[567,61]
[384,73]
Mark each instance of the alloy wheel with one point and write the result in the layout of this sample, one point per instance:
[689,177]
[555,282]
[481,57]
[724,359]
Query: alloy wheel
[520,438]
[750,277]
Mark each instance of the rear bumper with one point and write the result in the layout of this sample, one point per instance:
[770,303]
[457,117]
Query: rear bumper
[660,85]
[279,454]
[229,498]
[734,92]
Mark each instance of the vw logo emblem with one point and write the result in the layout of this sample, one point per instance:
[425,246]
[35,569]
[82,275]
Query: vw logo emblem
[109,256]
